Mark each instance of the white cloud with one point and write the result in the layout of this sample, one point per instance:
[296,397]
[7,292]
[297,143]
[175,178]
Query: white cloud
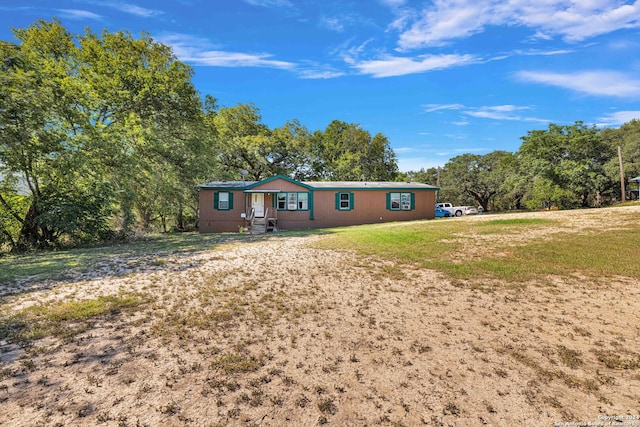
[270,3]
[219,58]
[492,112]
[332,23]
[446,20]
[618,118]
[600,83]
[537,52]
[504,112]
[319,74]
[350,54]
[132,9]
[577,21]
[390,66]
[200,52]
[343,21]
[405,150]
[78,14]
[393,3]
[457,136]
[430,108]
[497,112]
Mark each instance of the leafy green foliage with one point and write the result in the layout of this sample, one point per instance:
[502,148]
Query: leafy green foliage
[627,137]
[561,167]
[566,166]
[346,152]
[92,123]
[474,179]
[81,214]
[13,207]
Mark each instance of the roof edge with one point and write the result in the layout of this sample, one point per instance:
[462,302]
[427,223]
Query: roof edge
[315,185]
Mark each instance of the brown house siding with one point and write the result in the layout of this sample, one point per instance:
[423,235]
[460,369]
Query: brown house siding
[217,221]
[280,184]
[369,206]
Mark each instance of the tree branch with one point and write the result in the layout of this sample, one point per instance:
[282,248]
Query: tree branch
[10,210]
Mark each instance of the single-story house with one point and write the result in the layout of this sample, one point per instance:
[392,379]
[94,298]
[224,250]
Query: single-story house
[283,203]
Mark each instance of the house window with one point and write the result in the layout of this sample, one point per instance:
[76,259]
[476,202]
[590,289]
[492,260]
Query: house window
[344,201]
[282,201]
[223,201]
[293,201]
[400,201]
[303,201]
[292,198]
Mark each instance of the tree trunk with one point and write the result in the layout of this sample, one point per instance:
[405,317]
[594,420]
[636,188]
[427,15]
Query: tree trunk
[180,219]
[163,221]
[29,234]
[9,238]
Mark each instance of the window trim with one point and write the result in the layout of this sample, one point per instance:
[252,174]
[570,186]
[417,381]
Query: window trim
[411,205]
[217,201]
[302,200]
[349,201]
[289,203]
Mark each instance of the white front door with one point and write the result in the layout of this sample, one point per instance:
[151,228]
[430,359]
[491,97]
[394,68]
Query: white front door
[257,203]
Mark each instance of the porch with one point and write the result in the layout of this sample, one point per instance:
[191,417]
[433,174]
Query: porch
[261,225]
[263,216]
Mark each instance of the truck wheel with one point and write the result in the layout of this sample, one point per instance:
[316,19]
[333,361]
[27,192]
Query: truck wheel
[458,213]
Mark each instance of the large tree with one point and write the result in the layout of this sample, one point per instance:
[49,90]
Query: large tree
[426,176]
[245,143]
[473,178]
[87,123]
[345,151]
[147,114]
[42,135]
[627,137]
[567,165]
[243,140]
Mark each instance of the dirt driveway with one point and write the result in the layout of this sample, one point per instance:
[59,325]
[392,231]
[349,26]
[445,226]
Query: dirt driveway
[276,333]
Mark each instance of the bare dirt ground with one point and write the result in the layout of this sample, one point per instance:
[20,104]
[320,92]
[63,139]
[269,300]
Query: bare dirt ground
[275,332]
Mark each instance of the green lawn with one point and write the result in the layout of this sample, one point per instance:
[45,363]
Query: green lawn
[493,249]
[459,248]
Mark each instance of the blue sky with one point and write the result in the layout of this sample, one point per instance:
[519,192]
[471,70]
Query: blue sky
[439,78]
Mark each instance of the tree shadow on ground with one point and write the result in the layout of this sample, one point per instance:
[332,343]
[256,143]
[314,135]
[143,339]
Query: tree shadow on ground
[42,271]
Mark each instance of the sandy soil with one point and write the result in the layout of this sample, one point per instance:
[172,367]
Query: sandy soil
[276,332]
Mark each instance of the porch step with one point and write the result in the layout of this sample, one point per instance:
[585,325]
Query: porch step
[258,226]
[261,225]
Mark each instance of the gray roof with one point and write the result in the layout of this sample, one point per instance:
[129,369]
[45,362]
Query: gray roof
[227,184]
[323,185]
[369,185]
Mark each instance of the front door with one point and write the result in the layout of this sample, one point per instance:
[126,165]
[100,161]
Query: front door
[257,203]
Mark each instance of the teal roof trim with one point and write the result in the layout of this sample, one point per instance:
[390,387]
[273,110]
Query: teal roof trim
[375,188]
[276,177]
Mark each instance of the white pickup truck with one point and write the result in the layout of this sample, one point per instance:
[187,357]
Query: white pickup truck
[457,210]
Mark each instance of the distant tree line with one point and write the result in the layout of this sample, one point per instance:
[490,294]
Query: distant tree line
[563,167]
